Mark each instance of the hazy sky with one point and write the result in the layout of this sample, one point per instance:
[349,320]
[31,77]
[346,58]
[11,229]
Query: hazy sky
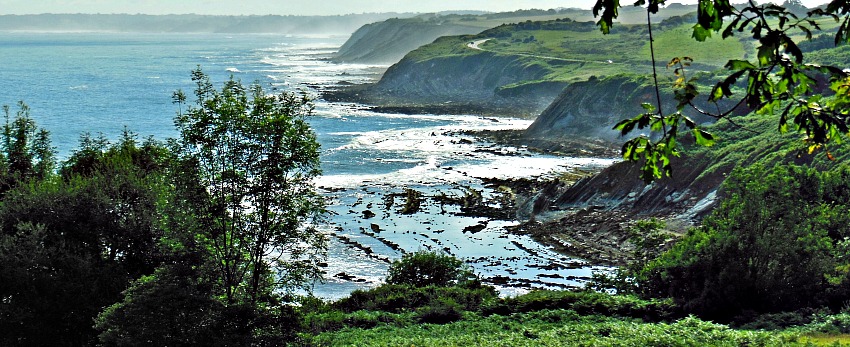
[283,7]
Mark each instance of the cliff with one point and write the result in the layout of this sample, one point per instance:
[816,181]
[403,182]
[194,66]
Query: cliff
[388,41]
[481,77]
[591,108]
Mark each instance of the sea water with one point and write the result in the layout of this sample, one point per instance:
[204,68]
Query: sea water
[103,83]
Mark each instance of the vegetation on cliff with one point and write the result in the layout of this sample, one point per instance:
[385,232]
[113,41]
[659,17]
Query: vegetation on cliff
[520,68]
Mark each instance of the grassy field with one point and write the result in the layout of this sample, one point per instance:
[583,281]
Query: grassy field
[575,51]
[454,316]
[557,328]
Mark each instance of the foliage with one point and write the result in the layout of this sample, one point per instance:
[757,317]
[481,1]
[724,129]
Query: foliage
[166,308]
[399,298]
[333,320]
[776,243]
[777,82]
[649,240]
[26,150]
[256,156]
[557,328]
[424,268]
[69,245]
[585,303]
[829,324]
[239,227]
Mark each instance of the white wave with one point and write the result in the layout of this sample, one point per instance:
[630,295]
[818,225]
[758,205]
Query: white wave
[232,69]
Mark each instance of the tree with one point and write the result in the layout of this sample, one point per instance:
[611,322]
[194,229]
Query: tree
[70,244]
[778,242]
[27,152]
[425,268]
[257,157]
[776,83]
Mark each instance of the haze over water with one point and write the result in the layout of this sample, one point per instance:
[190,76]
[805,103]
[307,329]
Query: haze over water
[102,82]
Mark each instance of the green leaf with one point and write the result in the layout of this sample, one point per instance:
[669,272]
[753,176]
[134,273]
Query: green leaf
[700,34]
[625,126]
[737,64]
[766,54]
[703,138]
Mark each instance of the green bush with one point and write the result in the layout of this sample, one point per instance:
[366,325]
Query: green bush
[425,268]
[776,321]
[586,303]
[776,243]
[334,320]
[830,324]
[402,298]
[441,311]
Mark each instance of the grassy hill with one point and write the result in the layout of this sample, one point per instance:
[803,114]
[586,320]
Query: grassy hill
[388,41]
[519,69]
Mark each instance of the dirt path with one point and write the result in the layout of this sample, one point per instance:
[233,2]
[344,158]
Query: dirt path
[476,45]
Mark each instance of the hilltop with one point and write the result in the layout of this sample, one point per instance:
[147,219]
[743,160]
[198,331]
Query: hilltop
[519,69]
[388,41]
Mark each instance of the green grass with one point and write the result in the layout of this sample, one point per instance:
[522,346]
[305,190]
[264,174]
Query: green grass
[827,339]
[557,328]
[568,52]
[392,316]
[677,42]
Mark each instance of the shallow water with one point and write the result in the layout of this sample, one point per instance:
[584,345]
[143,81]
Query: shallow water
[100,83]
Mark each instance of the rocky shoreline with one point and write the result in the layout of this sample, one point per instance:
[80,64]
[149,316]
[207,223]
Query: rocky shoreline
[595,234]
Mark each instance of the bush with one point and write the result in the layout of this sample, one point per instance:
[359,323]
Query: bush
[830,324]
[586,303]
[774,244]
[776,321]
[317,323]
[401,298]
[425,268]
[441,311]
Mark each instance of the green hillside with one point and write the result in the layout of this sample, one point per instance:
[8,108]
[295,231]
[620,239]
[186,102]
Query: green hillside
[567,51]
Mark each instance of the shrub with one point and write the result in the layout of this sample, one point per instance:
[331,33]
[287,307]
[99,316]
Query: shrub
[774,244]
[776,321]
[586,303]
[441,311]
[400,298]
[425,268]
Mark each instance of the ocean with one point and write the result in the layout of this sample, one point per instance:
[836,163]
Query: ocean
[103,83]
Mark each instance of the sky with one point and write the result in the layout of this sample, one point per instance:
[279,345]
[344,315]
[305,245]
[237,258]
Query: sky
[286,7]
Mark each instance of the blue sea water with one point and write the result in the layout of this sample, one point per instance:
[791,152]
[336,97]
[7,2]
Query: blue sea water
[100,83]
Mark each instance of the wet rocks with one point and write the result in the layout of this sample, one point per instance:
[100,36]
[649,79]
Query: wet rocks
[597,235]
[475,228]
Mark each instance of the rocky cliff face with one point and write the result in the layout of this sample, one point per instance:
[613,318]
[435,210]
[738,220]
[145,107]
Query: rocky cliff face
[687,195]
[590,109]
[387,42]
[467,79]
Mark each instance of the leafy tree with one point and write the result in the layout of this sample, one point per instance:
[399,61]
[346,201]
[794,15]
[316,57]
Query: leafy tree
[256,156]
[776,243]
[168,308]
[776,83]
[69,245]
[425,268]
[26,149]
[239,227]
